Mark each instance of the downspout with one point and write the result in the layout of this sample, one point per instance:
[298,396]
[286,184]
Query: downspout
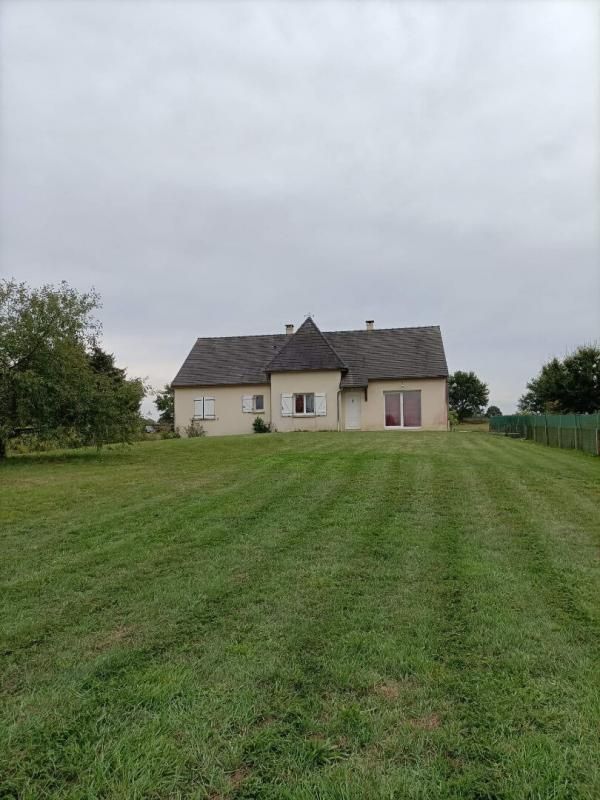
[338,400]
[447,408]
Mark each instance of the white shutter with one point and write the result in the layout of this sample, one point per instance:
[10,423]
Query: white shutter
[247,403]
[209,408]
[199,408]
[321,405]
[286,405]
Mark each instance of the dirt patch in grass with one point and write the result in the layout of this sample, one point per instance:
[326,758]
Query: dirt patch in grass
[430,722]
[390,690]
[119,635]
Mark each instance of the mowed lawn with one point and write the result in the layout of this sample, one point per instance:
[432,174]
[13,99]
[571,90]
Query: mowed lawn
[305,616]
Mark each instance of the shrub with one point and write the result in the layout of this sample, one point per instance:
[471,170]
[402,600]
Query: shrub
[193,430]
[30,441]
[453,419]
[260,426]
[167,434]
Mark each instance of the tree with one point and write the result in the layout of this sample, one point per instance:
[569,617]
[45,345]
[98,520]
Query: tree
[52,374]
[113,401]
[467,395]
[165,403]
[493,411]
[570,386]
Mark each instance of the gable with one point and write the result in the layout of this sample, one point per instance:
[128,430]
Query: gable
[307,349]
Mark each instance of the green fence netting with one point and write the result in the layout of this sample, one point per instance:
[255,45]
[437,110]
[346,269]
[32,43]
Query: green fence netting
[574,431]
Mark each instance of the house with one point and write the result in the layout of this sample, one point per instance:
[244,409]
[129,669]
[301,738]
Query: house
[370,380]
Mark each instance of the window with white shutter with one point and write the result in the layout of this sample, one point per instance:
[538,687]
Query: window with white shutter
[209,408]
[252,403]
[309,404]
[204,408]
[321,405]
[286,405]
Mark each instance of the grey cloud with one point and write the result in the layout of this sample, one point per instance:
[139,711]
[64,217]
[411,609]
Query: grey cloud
[219,168]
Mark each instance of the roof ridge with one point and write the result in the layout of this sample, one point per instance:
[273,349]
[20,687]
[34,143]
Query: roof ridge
[379,330]
[241,336]
[323,333]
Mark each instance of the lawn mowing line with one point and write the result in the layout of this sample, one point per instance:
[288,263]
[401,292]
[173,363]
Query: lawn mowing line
[537,523]
[315,513]
[544,459]
[141,510]
[256,502]
[464,641]
[315,646]
[144,516]
[581,491]
[293,658]
[61,621]
[497,754]
[452,634]
[283,543]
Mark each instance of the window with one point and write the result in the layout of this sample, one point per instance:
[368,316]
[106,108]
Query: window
[253,403]
[313,404]
[204,408]
[304,404]
[403,409]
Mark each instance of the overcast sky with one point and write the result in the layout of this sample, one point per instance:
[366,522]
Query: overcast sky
[225,168]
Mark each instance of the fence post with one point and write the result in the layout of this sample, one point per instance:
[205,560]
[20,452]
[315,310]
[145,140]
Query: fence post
[546,430]
[598,441]
[559,427]
[576,442]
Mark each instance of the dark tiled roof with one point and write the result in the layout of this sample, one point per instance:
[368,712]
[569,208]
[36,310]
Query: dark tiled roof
[390,353]
[361,355]
[229,360]
[307,349]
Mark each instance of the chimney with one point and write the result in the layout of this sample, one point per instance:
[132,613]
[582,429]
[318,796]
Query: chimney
[370,324]
[289,329]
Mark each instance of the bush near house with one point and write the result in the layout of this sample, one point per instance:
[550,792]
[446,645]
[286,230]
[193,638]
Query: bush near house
[260,426]
[358,616]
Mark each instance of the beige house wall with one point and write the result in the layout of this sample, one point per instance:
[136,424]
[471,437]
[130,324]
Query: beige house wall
[229,417]
[320,382]
[434,408]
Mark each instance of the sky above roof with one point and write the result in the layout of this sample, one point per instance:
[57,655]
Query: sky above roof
[225,168]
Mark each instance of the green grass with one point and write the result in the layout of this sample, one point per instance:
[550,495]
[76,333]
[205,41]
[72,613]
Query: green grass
[344,616]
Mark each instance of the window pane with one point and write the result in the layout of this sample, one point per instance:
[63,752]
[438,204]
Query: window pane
[310,403]
[412,409]
[392,409]
[299,403]
[259,402]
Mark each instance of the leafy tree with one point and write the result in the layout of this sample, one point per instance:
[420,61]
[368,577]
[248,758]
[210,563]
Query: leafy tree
[113,401]
[52,374]
[570,386]
[165,403]
[467,395]
[493,411]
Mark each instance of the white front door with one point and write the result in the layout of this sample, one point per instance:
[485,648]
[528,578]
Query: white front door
[352,409]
